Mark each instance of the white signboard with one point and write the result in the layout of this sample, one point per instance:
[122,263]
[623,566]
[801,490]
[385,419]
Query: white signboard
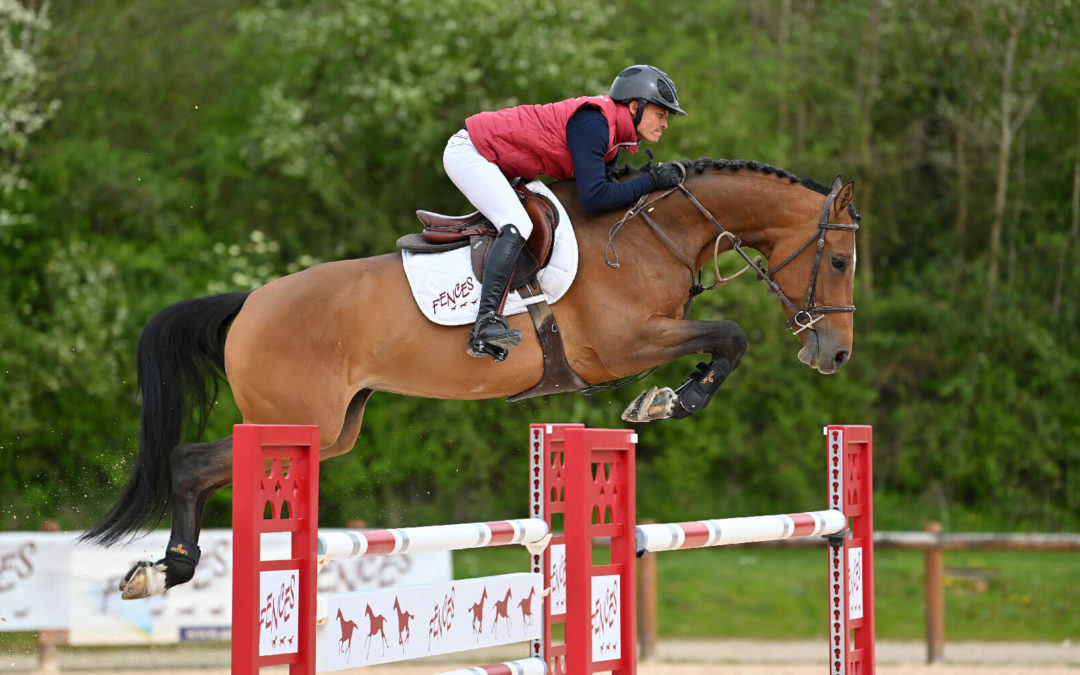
[855,581]
[558,579]
[48,582]
[32,567]
[279,622]
[606,619]
[366,628]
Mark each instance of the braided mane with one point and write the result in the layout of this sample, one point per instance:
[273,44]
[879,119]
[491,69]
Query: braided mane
[700,165]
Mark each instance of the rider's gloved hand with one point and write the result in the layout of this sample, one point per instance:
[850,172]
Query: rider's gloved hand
[666,175]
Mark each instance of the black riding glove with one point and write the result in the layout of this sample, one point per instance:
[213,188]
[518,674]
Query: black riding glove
[666,175]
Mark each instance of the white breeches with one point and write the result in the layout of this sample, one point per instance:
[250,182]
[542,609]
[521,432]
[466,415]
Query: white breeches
[484,184]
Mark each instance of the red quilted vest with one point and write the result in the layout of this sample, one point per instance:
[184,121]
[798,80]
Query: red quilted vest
[529,140]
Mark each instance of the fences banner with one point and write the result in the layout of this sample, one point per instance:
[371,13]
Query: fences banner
[34,567]
[48,582]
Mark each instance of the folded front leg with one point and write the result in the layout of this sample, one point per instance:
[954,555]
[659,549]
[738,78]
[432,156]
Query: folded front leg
[724,340]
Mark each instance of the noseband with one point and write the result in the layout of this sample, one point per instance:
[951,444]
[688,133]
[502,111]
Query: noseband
[801,318]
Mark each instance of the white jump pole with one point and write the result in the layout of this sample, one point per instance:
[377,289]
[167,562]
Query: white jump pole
[531,666]
[727,531]
[367,543]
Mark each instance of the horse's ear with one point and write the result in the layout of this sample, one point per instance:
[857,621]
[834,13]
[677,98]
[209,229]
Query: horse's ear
[843,198]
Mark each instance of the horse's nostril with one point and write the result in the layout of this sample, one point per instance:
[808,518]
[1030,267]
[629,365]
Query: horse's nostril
[841,357]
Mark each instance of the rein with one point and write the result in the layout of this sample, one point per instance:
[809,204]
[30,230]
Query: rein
[803,318]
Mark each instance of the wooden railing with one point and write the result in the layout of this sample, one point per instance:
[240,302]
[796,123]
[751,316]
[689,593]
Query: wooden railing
[932,541]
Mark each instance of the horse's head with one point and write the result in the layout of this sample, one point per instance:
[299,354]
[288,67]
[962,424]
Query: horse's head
[813,267]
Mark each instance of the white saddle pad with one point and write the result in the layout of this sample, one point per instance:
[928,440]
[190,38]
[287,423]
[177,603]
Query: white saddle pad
[447,293]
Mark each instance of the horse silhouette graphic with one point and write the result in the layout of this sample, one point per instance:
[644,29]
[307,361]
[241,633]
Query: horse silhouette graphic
[375,622]
[347,628]
[526,607]
[477,611]
[403,619]
[501,610]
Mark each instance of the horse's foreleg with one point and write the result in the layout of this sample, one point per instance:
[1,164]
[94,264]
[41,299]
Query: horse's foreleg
[724,340]
[198,470]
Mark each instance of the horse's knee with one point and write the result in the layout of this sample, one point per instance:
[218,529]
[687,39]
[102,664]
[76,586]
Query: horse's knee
[733,342]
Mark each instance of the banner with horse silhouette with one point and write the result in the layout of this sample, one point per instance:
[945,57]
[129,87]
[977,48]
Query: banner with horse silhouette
[393,624]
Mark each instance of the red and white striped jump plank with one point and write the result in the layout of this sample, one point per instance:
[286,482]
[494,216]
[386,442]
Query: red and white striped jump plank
[531,666]
[726,531]
[361,543]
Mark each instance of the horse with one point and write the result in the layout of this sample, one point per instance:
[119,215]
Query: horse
[312,347]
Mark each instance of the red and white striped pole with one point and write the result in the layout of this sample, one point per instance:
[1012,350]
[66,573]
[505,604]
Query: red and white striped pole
[368,543]
[727,531]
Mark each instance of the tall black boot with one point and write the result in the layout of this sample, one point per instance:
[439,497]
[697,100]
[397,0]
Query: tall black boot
[491,335]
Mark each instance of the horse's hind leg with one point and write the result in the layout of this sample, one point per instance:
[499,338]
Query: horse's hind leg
[198,471]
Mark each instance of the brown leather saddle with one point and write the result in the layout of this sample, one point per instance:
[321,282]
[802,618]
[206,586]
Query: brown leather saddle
[444,233]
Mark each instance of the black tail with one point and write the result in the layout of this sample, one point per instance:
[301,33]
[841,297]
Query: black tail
[181,359]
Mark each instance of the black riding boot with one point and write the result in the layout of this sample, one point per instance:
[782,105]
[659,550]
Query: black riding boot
[492,336]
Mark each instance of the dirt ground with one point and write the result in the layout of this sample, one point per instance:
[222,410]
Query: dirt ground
[704,669]
[673,657]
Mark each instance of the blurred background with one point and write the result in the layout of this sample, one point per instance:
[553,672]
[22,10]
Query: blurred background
[154,151]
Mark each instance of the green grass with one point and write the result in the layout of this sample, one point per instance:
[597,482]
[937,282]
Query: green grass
[780,593]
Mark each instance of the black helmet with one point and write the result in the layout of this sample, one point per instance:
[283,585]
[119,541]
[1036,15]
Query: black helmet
[646,83]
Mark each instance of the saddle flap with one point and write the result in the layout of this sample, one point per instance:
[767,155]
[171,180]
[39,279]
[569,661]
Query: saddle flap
[524,272]
[544,221]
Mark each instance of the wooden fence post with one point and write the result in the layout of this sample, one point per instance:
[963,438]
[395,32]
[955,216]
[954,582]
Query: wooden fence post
[49,640]
[935,597]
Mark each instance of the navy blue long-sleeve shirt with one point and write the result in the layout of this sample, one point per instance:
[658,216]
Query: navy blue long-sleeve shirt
[587,138]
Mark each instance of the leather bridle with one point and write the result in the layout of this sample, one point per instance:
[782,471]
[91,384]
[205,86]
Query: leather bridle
[801,319]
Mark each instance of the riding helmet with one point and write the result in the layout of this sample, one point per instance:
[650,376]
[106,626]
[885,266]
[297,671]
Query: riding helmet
[648,84]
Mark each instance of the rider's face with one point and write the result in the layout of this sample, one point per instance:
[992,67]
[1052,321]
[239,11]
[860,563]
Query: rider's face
[653,121]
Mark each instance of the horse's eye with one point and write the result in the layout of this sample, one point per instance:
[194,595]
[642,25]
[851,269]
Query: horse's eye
[839,264]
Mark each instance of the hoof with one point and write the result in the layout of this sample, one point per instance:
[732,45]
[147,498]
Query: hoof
[145,580]
[649,406]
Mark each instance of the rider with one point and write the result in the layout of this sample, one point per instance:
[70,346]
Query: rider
[577,138]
